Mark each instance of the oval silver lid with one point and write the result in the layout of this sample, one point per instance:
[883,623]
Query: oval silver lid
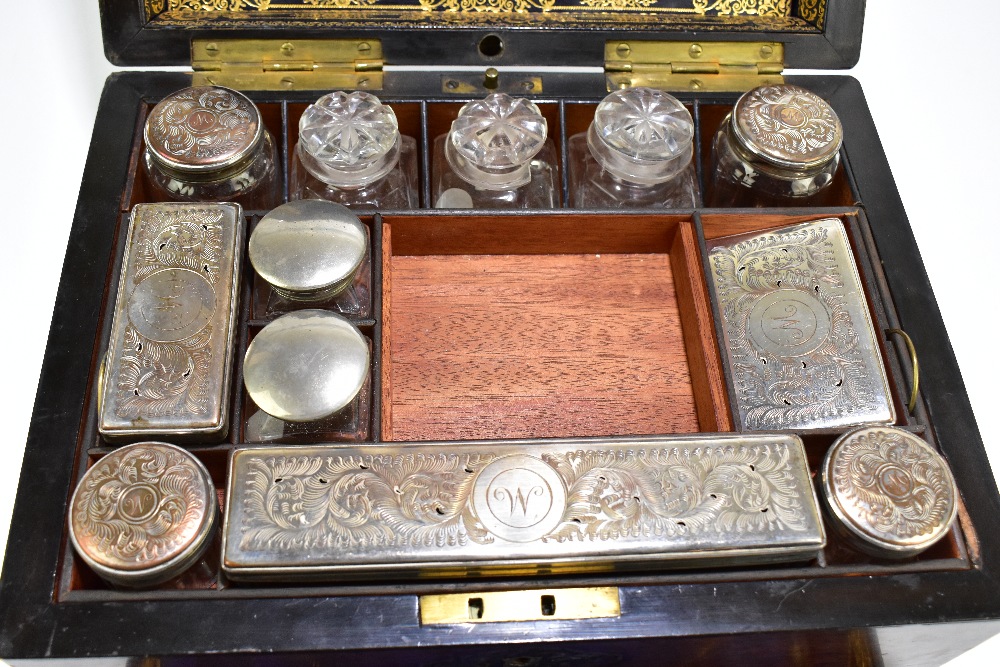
[787,126]
[203,129]
[143,514]
[309,250]
[894,495]
[306,365]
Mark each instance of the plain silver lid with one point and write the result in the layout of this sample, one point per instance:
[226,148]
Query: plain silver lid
[306,365]
[308,246]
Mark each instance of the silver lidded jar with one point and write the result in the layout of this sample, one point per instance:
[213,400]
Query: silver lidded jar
[637,153]
[144,515]
[779,146]
[209,143]
[496,155]
[890,493]
[313,253]
[308,373]
[350,152]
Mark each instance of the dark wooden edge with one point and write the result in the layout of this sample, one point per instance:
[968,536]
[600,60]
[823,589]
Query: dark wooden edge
[956,608]
[130,41]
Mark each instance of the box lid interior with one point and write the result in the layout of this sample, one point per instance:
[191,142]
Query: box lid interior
[817,34]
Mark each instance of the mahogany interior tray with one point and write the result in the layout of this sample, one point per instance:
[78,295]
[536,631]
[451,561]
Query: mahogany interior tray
[537,324]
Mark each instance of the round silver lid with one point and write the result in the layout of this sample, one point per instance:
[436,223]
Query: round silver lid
[642,135]
[309,249]
[891,492]
[143,514]
[306,365]
[348,139]
[492,141]
[787,126]
[203,129]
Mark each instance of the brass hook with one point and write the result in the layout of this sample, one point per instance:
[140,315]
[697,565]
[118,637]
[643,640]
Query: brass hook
[913,362]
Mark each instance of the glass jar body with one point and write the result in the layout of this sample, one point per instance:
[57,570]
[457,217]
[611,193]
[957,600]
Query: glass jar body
[449,190]
[349,424]
[741,182]
[397,190]
[592,186]
[255,184]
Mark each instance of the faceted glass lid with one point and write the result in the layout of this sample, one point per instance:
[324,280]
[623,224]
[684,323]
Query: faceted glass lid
[787,126]
[203,129]
[642,135]
[348,128]
[141,511]
[645,124]
[499,132]
[306,365]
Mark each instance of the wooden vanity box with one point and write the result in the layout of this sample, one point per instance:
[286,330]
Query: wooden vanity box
[613,333]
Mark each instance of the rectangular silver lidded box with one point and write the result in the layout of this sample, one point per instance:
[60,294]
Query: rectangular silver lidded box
[801,346]
[167,370]
[514,507]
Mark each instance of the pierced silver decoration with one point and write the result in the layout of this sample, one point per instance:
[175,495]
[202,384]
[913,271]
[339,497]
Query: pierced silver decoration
[799,338]
[170,352]
[440,509]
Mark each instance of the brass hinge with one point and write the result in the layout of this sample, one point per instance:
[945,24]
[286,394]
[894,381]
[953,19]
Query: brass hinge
[282,64]
[698,66]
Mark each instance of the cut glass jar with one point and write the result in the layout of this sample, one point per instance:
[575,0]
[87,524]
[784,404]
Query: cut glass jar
[350,152]
[497,155]
[209,144]
[636,154]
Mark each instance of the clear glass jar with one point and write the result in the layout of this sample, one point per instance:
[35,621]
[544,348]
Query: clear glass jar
[780,146]
[350,152]
[497,155]
[210,144]
[636,154]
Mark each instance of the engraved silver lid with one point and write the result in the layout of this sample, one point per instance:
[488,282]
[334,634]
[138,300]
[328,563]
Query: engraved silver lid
[891,494]
[309,250]
[642,135]
[348,139]
[787,126]
[203,129]
[492,141]
[143,514]
[306,365]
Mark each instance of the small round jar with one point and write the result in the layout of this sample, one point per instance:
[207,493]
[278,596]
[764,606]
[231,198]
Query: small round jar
[642,135]
[143,515]
[780,143]
[309,250]
[492,141]
[209,144]
[890,493]
[306,366]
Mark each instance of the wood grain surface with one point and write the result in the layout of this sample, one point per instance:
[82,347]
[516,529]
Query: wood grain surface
[505,346]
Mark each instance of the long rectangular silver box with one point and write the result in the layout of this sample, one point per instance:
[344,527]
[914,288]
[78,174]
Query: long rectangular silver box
[516,507]
[169,361]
